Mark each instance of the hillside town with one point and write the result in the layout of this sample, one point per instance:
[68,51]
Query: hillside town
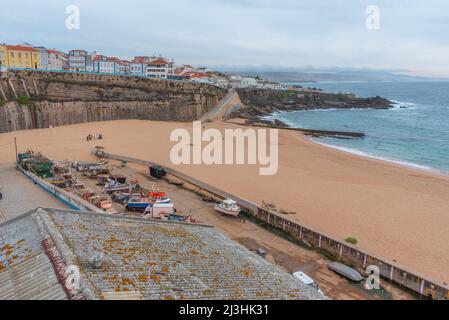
[26,56]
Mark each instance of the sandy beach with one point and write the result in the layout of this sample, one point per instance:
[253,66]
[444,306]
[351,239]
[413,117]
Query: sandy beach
[395,212]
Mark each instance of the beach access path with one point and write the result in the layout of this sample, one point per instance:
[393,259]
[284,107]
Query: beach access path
[21,195]
[228,103]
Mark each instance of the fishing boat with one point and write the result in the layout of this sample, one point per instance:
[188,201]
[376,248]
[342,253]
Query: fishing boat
[228,207]
[114,186]
[159,197]
[138,203]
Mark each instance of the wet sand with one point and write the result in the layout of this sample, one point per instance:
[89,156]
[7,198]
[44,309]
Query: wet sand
[395,212]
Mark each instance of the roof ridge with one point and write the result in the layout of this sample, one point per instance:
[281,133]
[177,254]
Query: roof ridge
[134,219]
[67,255]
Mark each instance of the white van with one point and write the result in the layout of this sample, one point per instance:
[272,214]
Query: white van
[304,278]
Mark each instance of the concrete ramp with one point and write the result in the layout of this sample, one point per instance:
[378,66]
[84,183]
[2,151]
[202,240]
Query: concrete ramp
[226,106]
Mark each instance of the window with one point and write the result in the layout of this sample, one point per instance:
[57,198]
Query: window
[12,54]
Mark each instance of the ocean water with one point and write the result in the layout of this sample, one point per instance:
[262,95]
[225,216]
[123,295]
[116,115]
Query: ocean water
[414,133]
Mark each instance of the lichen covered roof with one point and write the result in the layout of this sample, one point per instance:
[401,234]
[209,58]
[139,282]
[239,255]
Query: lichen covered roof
[147,259]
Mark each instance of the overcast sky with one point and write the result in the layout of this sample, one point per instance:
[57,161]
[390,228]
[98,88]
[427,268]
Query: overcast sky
[413,34]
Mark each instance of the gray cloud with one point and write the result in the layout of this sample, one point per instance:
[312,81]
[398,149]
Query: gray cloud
[285,33]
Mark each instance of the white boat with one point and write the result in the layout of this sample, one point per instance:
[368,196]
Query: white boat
[228,207]
[114,186]
[304,278]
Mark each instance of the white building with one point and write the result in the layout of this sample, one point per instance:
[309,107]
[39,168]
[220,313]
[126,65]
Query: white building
[137,69]
[249,82]
[220,82]
[124,67]
[244,82]
[102,64]
[56,60]
[120,66]
[159,68]
[138,65]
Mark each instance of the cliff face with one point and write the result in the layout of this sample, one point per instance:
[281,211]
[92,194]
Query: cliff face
[261,102]
[54,99]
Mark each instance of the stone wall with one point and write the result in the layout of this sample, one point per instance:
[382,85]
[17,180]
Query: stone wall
[68,98]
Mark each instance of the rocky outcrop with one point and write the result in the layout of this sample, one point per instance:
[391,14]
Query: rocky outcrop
[54,99]
[262,102]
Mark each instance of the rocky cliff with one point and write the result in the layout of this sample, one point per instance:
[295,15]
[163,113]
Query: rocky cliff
[30,99]
[262,102]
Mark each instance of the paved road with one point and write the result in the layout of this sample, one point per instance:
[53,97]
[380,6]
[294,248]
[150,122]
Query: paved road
[21,195]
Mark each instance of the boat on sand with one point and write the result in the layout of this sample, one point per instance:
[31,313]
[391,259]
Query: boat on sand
[228,207]
[346,271]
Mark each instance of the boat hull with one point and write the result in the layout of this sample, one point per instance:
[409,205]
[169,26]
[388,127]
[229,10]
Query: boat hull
[141,206]
[227,212]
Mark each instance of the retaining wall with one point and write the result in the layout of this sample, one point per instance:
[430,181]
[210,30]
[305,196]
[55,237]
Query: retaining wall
[69,199]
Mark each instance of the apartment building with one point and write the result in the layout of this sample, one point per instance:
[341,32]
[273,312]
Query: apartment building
[159,68]
[56,60]
[22,56]
[78,60]
[2,56]
[138,65]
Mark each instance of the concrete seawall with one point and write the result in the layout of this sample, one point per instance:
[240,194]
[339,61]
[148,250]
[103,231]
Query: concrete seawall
[55,99]
[70,200]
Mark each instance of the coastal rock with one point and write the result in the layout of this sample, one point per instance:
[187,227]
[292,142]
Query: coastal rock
[55,99]
[263,102]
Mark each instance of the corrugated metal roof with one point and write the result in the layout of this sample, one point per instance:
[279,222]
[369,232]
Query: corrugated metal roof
[147,259]
[25,270]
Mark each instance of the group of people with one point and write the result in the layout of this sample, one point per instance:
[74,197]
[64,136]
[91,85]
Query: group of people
[91,137]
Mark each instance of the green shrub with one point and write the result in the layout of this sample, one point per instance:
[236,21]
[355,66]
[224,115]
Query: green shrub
[2,102]
[23,100]
[351,240]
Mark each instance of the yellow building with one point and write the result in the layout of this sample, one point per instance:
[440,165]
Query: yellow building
[23,57]
[2,56]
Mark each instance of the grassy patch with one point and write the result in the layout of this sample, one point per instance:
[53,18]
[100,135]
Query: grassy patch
[351,240]
[2,102]
[23,100]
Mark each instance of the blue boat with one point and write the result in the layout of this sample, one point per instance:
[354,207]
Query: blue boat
[137,203]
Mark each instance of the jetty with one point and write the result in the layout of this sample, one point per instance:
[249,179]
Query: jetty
[312,132]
